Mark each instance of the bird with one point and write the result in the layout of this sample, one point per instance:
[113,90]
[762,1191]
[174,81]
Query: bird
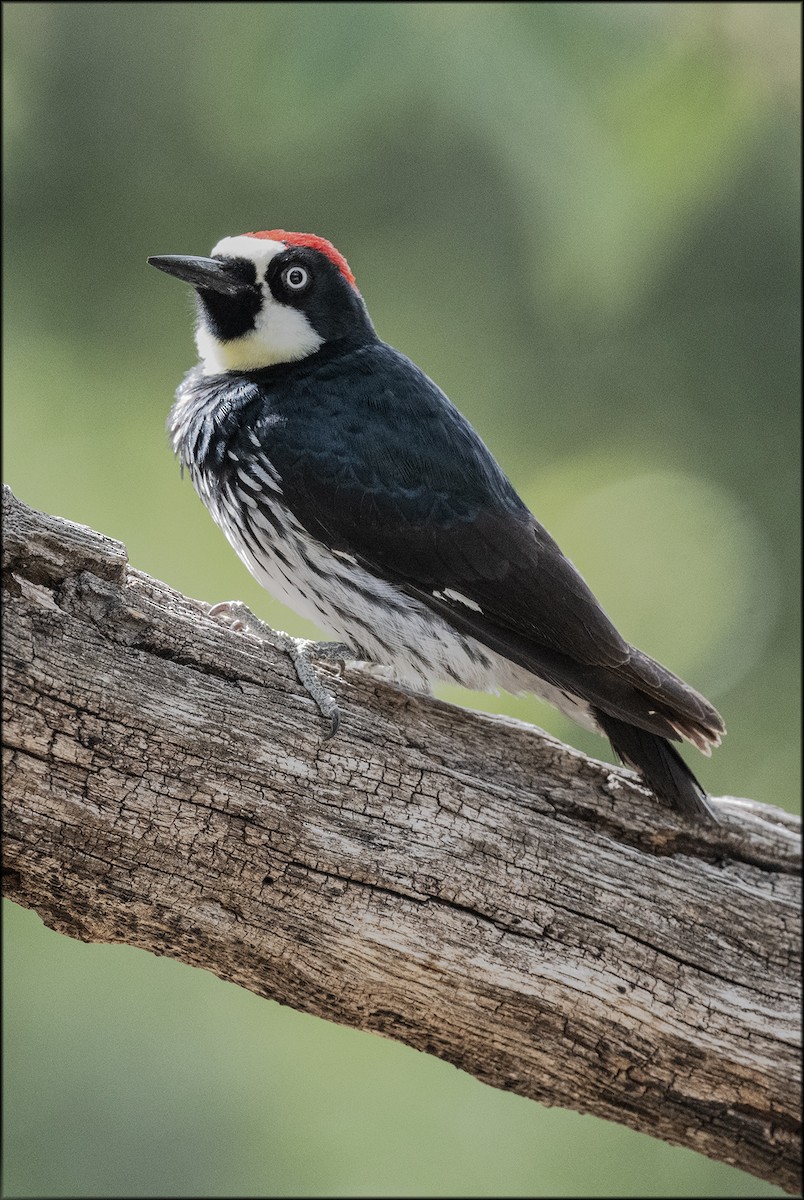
[357,494]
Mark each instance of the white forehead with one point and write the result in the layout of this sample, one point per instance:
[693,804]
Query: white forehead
[260,251]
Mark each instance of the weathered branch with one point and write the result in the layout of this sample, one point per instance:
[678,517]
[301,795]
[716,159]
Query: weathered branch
[462,883]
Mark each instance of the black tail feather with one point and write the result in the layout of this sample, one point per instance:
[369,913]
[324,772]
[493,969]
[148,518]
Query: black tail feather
[661,765]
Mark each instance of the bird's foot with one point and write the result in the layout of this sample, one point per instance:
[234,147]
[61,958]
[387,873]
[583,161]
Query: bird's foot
[235,615]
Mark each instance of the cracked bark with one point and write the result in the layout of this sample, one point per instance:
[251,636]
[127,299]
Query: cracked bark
[462,883]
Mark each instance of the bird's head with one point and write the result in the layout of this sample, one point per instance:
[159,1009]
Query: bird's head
[268,298]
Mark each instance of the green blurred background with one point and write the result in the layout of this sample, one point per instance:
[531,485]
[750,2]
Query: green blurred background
[583,221]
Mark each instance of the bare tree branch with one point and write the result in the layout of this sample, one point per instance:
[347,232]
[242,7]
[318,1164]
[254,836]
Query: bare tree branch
[462,883]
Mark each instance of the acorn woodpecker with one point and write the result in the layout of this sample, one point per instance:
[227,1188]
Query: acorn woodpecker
[357,494]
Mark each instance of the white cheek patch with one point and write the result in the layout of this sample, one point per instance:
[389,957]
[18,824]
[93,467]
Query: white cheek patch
[281,333]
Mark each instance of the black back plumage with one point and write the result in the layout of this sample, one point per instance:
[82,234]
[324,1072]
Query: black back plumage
[376,462]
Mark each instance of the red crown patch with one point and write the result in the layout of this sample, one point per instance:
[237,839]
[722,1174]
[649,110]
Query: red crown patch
[314,243]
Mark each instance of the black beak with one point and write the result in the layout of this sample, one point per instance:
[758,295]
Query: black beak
[210,274]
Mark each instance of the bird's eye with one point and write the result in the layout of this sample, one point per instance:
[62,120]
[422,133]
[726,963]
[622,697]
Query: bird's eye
[296,278]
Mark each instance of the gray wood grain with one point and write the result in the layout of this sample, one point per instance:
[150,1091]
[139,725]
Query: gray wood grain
[462,883]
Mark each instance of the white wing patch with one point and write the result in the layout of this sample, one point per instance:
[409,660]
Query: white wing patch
[449,594]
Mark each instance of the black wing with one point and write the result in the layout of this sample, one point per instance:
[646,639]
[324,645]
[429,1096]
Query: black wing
[391,473]
[376,462]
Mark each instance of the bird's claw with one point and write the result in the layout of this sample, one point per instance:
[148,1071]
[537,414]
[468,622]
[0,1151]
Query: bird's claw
[235,615]
[238,617]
